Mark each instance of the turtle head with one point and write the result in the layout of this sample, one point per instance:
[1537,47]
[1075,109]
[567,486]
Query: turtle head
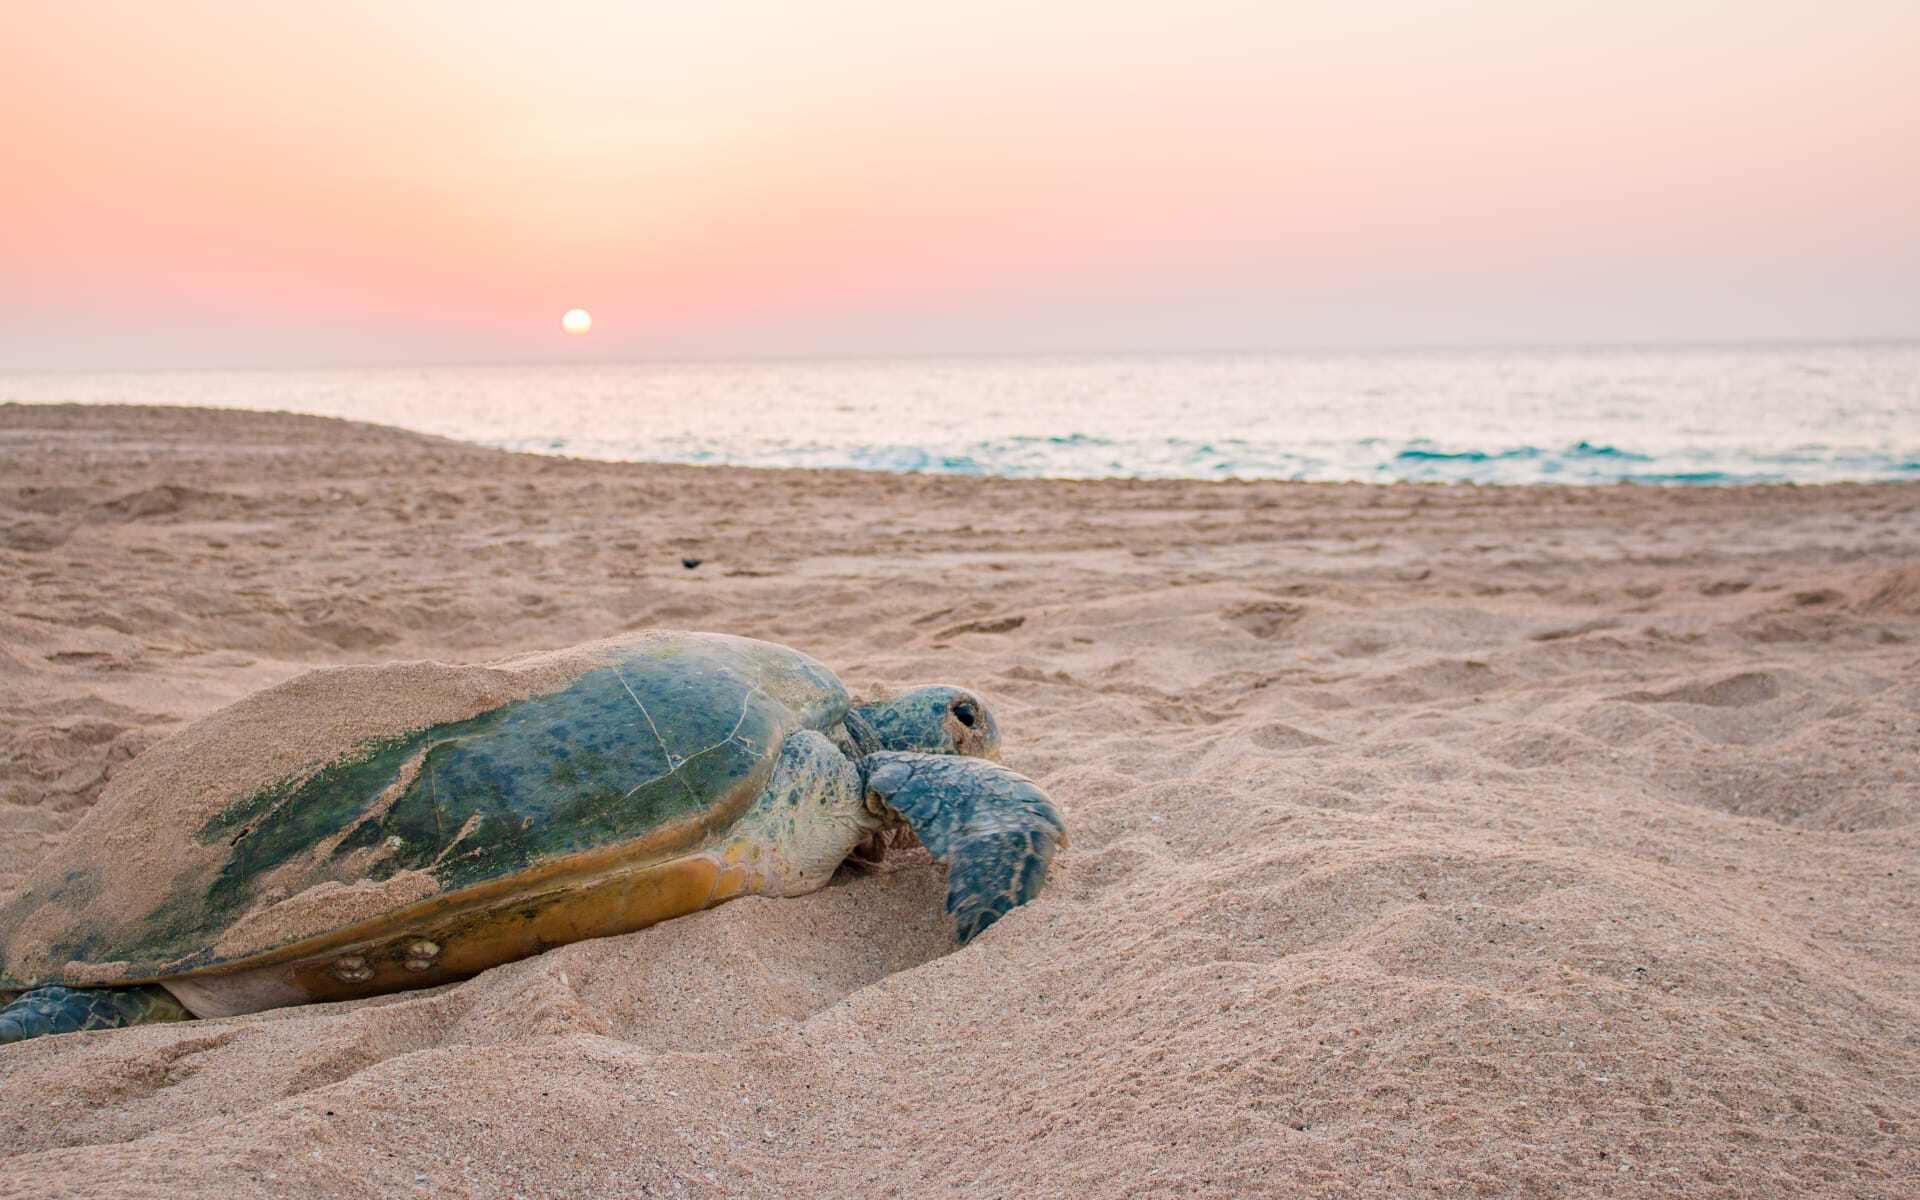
[931,720]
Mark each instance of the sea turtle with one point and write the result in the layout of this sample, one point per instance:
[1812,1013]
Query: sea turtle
[364,829]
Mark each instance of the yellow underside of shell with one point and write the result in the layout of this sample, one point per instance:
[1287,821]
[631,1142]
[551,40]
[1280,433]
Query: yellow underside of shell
[433,948]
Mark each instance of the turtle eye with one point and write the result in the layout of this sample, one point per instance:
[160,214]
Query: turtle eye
[964,710]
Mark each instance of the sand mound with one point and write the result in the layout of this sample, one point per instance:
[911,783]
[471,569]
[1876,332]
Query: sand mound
[1894,593]
[1448,841]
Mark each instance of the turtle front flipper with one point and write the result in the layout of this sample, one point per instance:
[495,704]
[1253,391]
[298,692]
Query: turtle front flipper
[994,828]
[55,1009]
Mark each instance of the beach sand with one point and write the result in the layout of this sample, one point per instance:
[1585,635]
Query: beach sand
[1425,840]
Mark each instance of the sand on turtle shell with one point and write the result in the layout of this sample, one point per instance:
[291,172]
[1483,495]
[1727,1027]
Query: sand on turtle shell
[323,908]
[1436,841]
[125,858]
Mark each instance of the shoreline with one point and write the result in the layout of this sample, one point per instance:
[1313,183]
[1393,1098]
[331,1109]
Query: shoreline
[1426,838]
[1133,480]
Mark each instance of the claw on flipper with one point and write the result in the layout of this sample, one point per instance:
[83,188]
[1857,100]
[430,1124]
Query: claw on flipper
[868,855]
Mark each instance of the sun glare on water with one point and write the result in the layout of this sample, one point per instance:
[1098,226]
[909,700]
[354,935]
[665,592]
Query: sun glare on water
[577,321]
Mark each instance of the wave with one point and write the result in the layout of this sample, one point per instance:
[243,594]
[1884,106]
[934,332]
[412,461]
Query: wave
[1699,416]
[1076,455]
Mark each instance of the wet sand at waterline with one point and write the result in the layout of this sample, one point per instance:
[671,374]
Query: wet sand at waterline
[1425,840]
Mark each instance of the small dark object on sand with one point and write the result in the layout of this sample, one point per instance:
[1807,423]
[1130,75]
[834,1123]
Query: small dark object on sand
[691,563]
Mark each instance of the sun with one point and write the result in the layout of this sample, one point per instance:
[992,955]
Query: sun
[577,321]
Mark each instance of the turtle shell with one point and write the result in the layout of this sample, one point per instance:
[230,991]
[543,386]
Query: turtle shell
[352,802]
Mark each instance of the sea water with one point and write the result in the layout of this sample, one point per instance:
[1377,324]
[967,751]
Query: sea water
[1710,415]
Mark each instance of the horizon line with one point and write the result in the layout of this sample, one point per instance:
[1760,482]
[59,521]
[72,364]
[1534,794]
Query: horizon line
[665,360]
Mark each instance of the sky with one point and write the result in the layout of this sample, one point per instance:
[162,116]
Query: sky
[230,183]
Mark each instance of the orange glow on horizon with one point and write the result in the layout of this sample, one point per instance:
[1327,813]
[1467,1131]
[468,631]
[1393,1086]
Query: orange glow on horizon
[765,180]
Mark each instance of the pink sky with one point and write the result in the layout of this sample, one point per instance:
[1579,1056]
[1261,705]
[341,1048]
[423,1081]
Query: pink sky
[235,183]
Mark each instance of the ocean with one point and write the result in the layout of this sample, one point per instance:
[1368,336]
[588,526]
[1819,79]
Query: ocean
[1704,415]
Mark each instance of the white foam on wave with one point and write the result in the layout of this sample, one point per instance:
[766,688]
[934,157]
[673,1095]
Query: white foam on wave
[1804,414]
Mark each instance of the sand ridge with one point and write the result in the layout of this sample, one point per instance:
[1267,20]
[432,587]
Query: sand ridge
[1426,840]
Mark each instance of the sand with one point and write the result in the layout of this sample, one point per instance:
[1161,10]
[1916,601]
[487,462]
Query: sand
[1426,840]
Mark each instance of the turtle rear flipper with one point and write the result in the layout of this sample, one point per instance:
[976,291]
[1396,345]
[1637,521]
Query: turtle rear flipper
[994,828]
[56,1009]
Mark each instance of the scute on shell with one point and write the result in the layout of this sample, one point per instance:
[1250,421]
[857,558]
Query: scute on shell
[344,796]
